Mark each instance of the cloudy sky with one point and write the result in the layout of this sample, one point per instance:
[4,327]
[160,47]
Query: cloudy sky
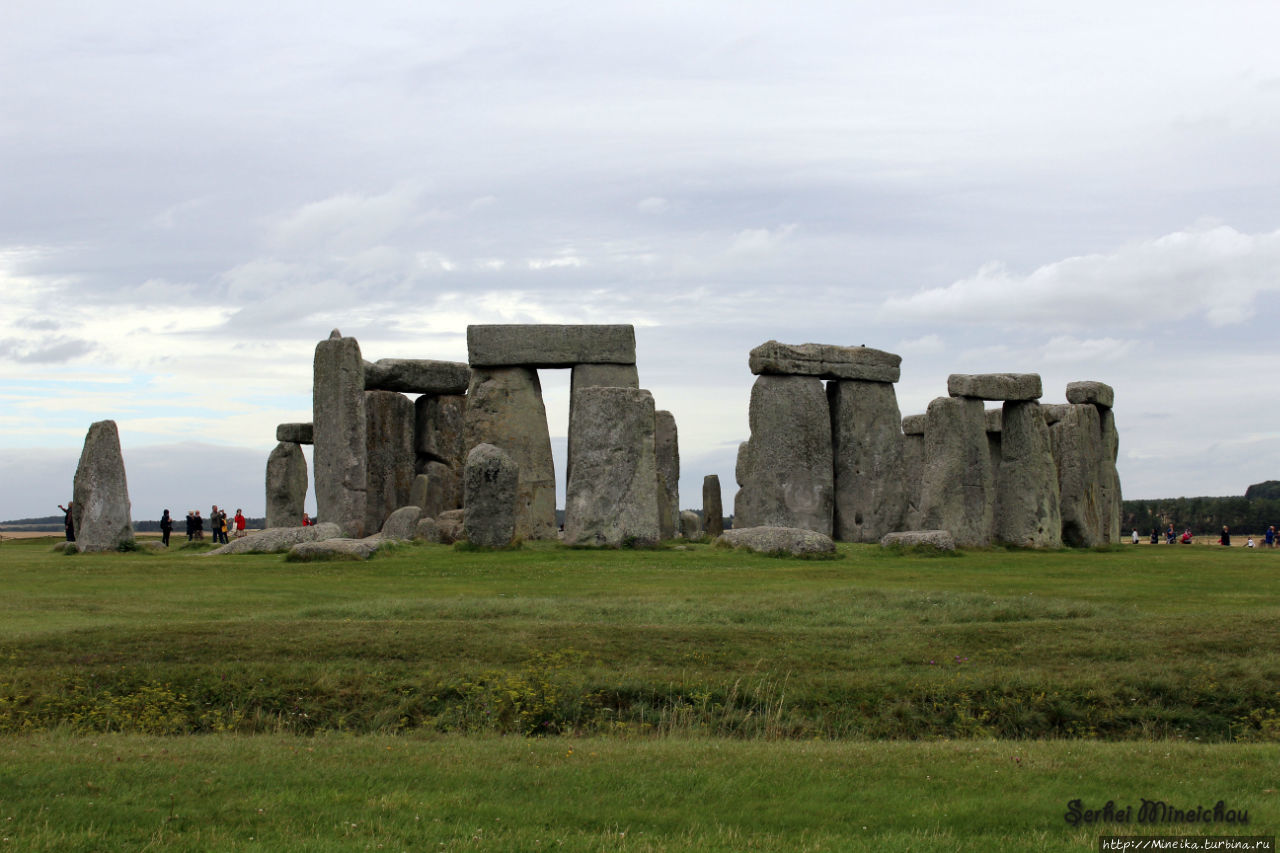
[192,195]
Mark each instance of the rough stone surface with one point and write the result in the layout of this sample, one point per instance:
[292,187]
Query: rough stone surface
[995,386]
[994,419]
[418,491]
[912,473]
[612,494]
[789,478]
[505,409]
[825,361]
[276,539]
[940,539]
[337,400]
[712,505]
[286,485]
[1097,393]
[690,524]
[913,425]
[866,446]
[427,530]
[741,465]
[1109,477]
[666,450]
[443,489]
[439,429]
[957,491]
[389,455]
[100,507]
[490,480]
[417,376]
[328,549]
[450,526]
[549,345]
[402,523]
[778,540]
[1053,412]
[1078,453]
[1027,504]
[590,376]
[296,433]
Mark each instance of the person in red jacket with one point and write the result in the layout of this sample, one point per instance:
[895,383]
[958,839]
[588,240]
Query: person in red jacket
[239,524]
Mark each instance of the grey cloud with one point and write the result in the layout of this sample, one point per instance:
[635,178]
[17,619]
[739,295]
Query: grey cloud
[54,352]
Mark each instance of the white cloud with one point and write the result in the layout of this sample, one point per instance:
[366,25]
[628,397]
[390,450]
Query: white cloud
[924,345]
[1065,349]
[760,240]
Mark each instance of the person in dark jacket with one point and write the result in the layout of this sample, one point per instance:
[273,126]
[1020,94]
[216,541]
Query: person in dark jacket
[166,527]
[67,522]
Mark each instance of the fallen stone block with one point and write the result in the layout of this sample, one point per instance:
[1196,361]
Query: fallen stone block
[338,549]
[777,540]
[940,539]
[276,539]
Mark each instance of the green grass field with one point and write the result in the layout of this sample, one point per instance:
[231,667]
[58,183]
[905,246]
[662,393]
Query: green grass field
[633,700]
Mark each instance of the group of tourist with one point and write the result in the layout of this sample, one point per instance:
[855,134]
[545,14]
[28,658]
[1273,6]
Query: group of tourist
[218,525]
[1269,539]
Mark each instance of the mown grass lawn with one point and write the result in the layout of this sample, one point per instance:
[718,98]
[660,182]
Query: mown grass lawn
[687,699]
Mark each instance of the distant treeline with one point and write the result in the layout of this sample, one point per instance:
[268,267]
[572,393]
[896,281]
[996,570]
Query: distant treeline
[1257,510]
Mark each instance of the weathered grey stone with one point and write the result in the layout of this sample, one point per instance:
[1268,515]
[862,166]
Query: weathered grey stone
[957,491]
[338,549]
[995,386]
[286,485]
[443,490]
[276,539]
[790,470]
[666,442]
[100,508]
[912,473]
[777,540]
[1097,393]
[490,481]
[712,505]
[296,433]
[1078,453]
[427,530]
[1053,412]
[450,526]
[741,466]
[612,494]
[418,491]
[340,427]
[866,446]
[1027,504]
[439,429]
[690,524]
[590,376]
[505,409]
[402,523]
[549,345]
[389,455]
[825,361]
[993,419]
[913,425]
[1109,477]
[939,539]
[417,376]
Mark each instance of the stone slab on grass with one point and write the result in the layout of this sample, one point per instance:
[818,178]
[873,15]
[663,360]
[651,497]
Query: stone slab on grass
[940,539]
[338,549]
[777,540]
[276,539]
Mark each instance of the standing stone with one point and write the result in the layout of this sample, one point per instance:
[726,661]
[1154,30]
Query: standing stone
[505,409]
[442,490]
[439,426]
[401,524]
[590,376]
[789,468]
[1109,477]
[690,524]
[490,481]
[286,485]
[1027,506]
[912,468]
[712,505]
[993,417]
[612,494]
[667,451]
[866,444]
[389,455]
[1077,451]
[100,507]
[340,428]
[957,491]
[418,493]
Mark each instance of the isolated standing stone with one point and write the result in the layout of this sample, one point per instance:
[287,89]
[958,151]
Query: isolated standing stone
[505,409]
[712,505]
[337,399]
[957,491]
[912,468]
[286,485]
[690,524]
[788,477]
[1027,506]
[100,507]
[612,494]
[667,453]
[490,480]
[1078,453]
[389,455]
[867,447]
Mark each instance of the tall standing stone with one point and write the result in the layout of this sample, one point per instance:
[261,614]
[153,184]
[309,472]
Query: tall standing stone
[490,480]
[667,450]
[340,433]
[994,426]
[712,506]
[439,436]
[1027,506]
[912,467]
[612,494]
[389,455]
[788,476]
[442,491]
[595,376]
[957,489]
[286,485]
[867,447]
[1077,451]
[100,507]
[1110,477]
[505,409]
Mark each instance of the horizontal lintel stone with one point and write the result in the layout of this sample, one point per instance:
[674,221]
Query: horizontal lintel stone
[995,386]
[296,433]
[825,361]
[548,345]
[1098,393]
[417,376]
[913,425]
